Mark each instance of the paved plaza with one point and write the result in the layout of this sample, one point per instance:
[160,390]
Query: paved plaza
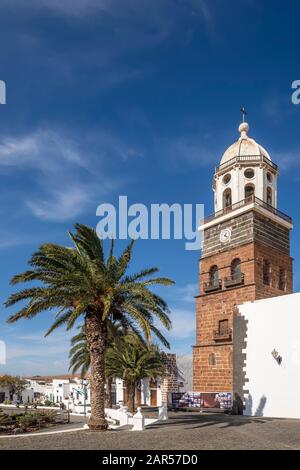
[190,431]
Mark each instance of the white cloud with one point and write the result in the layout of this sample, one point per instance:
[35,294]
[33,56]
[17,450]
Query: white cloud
[161,11]
[43,149]
[287,160]
[67,173]
[182,152]
[163,20]
[184,324]
[32,353]
[62,205]
[78,7]
[9,240]
[188,292]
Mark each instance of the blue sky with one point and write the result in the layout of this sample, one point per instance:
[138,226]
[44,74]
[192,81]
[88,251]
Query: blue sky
[106,97]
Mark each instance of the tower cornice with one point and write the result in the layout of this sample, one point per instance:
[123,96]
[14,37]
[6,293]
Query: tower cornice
[249,204]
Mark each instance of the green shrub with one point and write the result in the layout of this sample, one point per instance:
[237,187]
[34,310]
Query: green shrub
[5,420]
[49,403]
[52,414]
[26,421]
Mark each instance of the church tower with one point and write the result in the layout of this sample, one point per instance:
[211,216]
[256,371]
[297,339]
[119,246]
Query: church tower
[245,256]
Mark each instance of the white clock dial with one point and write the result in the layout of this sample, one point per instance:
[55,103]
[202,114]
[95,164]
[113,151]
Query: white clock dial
[225,235]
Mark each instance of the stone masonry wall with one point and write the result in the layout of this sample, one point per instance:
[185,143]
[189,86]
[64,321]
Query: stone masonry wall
[246,228]
[220,305]
[170,382]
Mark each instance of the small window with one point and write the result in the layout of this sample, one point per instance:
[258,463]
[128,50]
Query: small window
[249,190]
[212,359]
[249,173]
[270,196]
[269,177]
[214,275]
[227,202]
[236,267]
[282,279]
[266,272]
[223,327]
[227,178]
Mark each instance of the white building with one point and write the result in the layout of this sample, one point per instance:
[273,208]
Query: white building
[267,356]
[73,392]
[26,395]
[67,390]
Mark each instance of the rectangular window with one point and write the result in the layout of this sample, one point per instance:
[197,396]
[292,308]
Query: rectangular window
[266,273]
[282,282]
[223,327]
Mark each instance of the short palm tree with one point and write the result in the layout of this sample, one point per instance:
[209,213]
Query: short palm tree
[80,357]
[133,362]
[82,283]
[79,353]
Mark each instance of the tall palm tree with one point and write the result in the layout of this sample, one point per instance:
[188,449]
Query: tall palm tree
[80,357]
[82,283]
[79,354]
[133,362]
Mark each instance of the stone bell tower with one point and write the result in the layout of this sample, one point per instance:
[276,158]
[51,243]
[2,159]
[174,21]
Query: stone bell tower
[245,256]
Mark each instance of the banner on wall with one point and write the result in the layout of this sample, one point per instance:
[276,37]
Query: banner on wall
[221,400]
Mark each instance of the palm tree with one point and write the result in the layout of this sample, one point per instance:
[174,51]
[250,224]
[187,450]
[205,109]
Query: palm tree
[82,283]
[133,362]
[80,357]
[79,354]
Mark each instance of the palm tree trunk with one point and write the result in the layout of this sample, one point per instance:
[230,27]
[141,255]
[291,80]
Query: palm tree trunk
[109,392]
[131,396]
[96,333]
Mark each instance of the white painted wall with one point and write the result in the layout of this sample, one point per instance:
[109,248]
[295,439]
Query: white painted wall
[239,181]
[5,390]
[145,391]
[119,390]
[27,395]
[274,390]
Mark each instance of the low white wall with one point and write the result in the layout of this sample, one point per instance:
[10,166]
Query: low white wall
[274,389]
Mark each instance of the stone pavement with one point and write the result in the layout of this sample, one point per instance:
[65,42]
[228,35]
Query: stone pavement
[189,430]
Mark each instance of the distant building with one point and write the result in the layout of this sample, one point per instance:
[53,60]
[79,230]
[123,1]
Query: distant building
[72,391]
[185,368]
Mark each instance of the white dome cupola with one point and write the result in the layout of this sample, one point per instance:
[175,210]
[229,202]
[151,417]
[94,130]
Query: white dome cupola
[245,171]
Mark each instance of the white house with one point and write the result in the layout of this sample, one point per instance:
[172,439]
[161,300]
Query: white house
[72,391]
[27,395]
[67,389]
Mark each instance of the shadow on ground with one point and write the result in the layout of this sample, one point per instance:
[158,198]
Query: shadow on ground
[201,420]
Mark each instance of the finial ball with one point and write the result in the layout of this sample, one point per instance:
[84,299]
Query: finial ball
[244,127]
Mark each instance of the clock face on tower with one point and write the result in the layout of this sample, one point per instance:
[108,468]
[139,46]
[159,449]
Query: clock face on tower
[225,235]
